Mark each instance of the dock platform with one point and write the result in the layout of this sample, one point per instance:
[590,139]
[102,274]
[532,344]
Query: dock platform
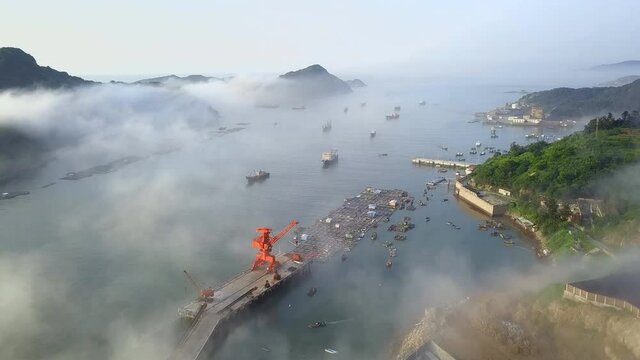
[234,297]
[338,231]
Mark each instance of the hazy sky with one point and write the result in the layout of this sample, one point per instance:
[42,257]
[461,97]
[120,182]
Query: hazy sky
[157,37]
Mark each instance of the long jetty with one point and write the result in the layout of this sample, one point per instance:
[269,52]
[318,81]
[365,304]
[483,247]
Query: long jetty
[444,163]
[335,232]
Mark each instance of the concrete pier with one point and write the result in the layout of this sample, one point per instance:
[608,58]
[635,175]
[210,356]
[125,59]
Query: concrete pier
[235,296]
[443,163]
[339,230]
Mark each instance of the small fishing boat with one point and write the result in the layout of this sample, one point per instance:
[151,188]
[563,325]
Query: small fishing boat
[374,235]
[372,134]
[388,264]
[393,116]
[330,351]
[317,324]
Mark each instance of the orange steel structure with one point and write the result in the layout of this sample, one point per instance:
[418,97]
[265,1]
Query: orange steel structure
[264,243]
[204,293]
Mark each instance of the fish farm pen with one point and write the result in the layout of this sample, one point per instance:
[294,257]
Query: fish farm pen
[344,225]
[339,230]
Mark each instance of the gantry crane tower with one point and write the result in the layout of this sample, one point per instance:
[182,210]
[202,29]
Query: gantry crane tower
[264,243]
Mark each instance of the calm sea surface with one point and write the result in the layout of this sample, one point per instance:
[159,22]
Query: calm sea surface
[113,246]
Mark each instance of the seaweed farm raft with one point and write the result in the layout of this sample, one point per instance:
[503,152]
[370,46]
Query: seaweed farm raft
[341,229]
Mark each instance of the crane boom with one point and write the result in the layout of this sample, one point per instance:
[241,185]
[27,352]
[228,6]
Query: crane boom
[192,280]
[283,232]
[204,293]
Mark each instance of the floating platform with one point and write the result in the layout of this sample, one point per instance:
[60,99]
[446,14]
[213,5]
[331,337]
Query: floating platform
[443,163]
[338,231]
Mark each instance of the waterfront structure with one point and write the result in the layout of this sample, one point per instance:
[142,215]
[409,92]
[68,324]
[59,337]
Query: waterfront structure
[489,203]
[620,290]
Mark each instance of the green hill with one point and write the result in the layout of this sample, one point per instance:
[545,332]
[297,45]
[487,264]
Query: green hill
[566,167]
[600,164]
[568,103]
[19,70]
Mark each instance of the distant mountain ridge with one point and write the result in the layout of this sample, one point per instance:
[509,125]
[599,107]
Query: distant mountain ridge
[19,70]
[568,103]
[621,81]
[624,65]
[174,80]
[356,83]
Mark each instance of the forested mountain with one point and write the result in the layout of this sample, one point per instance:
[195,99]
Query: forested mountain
[568,103]
[19,70]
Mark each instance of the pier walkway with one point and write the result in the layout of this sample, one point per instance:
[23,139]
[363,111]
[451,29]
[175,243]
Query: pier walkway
[230,299]
[446,163]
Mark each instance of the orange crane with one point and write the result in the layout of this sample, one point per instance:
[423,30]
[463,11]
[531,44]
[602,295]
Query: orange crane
[264,243]
[204,293]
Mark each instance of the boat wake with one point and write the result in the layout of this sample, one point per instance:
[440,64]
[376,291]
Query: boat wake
[338,321]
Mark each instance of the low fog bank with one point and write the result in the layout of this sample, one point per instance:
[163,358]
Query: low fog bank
[109,121]
[523,316]
[101,277]
[97,123]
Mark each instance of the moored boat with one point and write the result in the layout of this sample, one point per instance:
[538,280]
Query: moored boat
[329,158]
[258,175]
[393,116]
[317,324]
